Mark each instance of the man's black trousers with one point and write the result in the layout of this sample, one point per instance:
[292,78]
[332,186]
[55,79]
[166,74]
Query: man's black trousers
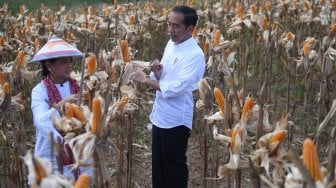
[169,160]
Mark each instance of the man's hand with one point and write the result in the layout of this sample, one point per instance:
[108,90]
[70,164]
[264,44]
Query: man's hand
[139,76]
[156,68]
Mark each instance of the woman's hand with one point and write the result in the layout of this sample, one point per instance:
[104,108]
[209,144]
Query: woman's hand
[70,99]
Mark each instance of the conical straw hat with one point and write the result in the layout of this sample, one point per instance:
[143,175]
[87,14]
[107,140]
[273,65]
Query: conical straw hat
[55,48]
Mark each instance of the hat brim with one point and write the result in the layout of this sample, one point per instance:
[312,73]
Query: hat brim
[56,48]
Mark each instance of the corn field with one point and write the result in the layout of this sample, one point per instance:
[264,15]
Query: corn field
[264,111]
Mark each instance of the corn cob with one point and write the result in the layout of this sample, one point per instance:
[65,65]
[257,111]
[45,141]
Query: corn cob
[307,5]
[124,50]
[310,159]
[290,36]
[131,20]
[254,8]
[234,147]
[216,38]
[83,181]
[5,87]
[24,32]
[306,49]
[74,111]
[333,30]
[91,64]
[206,47]
[219,97]
[20,59]
[195,32]
[267,6]
[277,136]
[28,24]
[91,27]
[227,52]
[264,23]
[122,102]
[40,171]
[239,12]
[2,41]
[2,78]
[249,103]
[96,114]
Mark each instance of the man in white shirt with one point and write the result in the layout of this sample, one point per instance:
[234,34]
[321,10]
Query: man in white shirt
[174,78]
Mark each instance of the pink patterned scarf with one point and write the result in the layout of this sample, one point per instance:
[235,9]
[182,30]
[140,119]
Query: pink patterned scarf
[55,97]
[53,93]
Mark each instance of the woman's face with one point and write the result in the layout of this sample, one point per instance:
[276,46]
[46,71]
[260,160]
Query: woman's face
[61,67]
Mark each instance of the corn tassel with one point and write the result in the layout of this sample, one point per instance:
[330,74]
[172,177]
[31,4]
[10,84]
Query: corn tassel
[124,50]
[91,64]
[219,97]
[83,181]
[5,87]
[96,114]
[277,136]
[310,159]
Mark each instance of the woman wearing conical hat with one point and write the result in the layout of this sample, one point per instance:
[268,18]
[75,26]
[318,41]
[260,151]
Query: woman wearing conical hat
[56,88]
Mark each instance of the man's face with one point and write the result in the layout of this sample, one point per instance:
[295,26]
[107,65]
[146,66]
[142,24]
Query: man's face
[177,30]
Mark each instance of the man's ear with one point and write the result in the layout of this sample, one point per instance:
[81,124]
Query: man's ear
[190,28]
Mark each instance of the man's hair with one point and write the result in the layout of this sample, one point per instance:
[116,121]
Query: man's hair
[190,14]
